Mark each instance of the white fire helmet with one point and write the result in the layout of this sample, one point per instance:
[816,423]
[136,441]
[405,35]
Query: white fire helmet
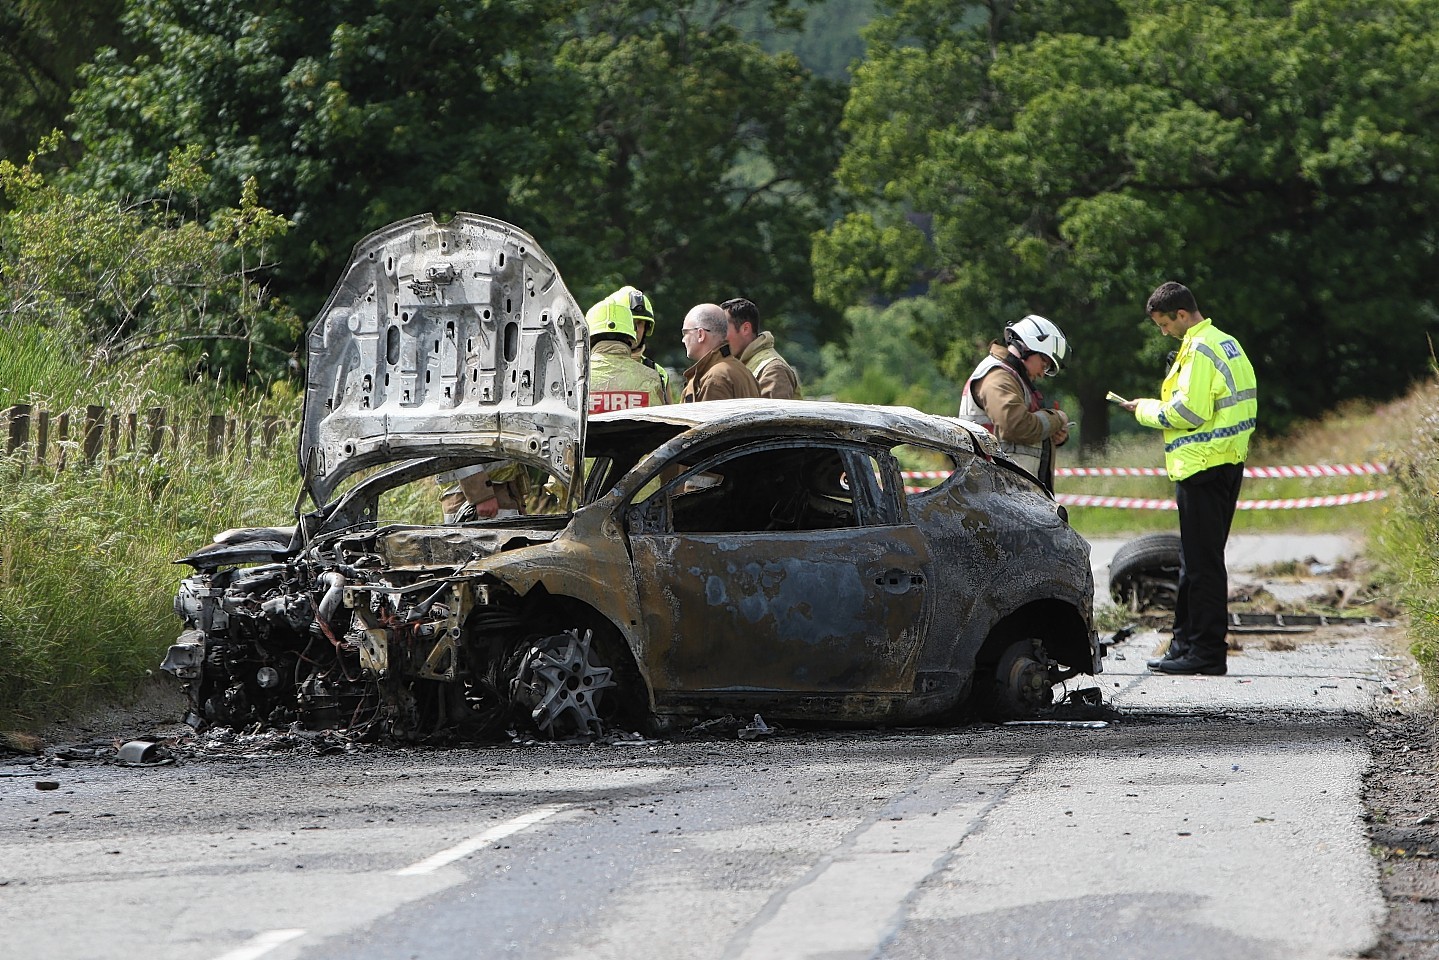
[1035,334]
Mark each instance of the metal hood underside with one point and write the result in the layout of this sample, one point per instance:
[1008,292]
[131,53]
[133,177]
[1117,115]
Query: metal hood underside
[445,339]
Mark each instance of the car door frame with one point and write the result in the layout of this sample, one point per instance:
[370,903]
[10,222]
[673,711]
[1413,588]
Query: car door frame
[739,615]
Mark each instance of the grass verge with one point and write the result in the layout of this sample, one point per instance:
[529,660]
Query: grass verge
[87,572]
[1405,543]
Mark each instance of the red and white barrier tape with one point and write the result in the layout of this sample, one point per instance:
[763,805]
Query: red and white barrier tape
[1134,503]
[1320,470]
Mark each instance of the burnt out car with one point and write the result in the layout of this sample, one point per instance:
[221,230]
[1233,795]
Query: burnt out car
[673,563]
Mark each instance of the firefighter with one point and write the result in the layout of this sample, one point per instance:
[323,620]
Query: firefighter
[1001,395]
[755,349]
[619,381]
[715,375]
[644,311]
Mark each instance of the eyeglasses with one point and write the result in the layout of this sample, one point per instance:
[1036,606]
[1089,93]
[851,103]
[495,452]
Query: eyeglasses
[686,331]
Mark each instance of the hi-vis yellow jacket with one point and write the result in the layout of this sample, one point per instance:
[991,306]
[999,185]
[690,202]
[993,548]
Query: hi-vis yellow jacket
[619,382]
[1209,403]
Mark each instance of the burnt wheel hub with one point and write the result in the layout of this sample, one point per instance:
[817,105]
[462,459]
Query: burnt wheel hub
[560,683]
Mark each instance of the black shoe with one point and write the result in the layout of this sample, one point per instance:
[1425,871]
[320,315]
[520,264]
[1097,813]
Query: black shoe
[1190,666]
[1170,656]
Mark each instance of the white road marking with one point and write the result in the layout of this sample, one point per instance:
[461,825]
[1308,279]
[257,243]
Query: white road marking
[466,847]
[261,944]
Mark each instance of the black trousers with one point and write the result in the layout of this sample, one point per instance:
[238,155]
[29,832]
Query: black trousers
[1201,612]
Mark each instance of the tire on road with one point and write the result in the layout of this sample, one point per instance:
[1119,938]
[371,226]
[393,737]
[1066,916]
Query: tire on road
[1144,574]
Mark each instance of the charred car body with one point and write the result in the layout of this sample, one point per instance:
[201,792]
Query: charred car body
[695,560]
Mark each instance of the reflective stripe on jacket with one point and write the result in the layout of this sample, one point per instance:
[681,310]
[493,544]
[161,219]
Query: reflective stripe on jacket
[1208,405]
[777,379]
[619,382]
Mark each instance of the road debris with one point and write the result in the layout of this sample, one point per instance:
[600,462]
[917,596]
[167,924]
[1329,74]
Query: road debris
[756,730]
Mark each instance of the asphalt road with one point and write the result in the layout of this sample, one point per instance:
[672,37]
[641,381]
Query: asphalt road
[1213,817]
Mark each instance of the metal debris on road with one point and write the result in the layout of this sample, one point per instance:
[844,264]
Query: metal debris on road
[756,730]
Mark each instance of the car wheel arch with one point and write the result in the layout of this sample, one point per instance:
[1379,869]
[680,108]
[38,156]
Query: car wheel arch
[553,612]
[1056,623]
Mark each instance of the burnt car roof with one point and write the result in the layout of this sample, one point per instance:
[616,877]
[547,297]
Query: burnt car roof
[778,415]
[445,339]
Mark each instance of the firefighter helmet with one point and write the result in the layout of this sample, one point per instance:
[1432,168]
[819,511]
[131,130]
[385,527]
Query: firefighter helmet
[618,314]
[1035,334]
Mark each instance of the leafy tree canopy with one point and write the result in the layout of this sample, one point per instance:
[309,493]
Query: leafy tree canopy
[43,45]
[640,141]
[103,281]
[1064,158]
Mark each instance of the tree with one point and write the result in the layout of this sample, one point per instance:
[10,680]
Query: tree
[109,281]
[705,171]
[43,45]
[1277,157]
[639,141]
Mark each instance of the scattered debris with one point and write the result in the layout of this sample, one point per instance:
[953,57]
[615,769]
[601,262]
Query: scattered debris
[47,784]
[142,753]
[756,730]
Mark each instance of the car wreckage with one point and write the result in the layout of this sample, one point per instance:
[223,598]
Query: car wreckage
[674,563]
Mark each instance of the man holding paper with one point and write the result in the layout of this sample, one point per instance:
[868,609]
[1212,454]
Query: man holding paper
[1207,408]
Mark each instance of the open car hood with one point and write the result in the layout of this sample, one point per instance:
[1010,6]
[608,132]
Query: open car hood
[445,339]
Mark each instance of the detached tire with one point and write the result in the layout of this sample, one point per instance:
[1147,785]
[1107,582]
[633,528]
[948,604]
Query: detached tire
[1144,573]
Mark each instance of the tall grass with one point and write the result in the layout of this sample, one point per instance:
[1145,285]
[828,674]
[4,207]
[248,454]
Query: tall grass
[1405,542]
[87,572]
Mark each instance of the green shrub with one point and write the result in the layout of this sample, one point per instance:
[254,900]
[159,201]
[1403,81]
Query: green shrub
[87,572]
[1405,543]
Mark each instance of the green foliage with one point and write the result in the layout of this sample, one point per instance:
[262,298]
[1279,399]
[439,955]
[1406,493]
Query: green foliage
[1406,541]
[108,281]
[43,45]
[880,364]
[1064,158]
[830,42]
[640,142]
[702,172]
[87,571]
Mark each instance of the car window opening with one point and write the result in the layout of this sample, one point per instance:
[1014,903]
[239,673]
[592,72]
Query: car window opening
[777,489]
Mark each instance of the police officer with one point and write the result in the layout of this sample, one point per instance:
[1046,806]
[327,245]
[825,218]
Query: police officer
[619,381]
[1001,395]
[1207,408]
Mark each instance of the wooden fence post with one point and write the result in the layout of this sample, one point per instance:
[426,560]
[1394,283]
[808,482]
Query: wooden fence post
[155,423]
[62,437]
[94,433]
[19,417]
[215,436]
[42,436]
